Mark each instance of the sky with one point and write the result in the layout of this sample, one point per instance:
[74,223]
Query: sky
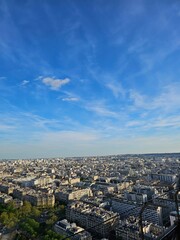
[89,77]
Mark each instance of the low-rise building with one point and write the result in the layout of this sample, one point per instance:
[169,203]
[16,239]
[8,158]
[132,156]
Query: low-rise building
[19,193]
[42,181]
[130,229]
[71,230]
[7,188]
[74,180]
[5,198]
[72,193]
[173,216]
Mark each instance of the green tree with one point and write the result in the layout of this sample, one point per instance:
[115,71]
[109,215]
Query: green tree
[13,220]
[26,209]
[51,235]
[35,212]
[30,226]
[4,218]
[52,220]
[8,219]
[10,207]
[33,223]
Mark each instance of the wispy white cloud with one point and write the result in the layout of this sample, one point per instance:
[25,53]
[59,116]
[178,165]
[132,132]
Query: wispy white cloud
[37,121]
[70,99]
[100,108]
[149,60]
[24,82]
[103,137]
[138,45]
[55,83]
[155,123]
[2,78]
[167,122]
[18,122]
[6,127]
[117,89]
[139,100]
[167,100]
[135,123]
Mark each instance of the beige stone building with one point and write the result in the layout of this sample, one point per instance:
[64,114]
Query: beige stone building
[88,216]
[41,200]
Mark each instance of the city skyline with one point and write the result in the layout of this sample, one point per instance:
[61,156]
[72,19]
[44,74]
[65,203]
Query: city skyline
[80,78]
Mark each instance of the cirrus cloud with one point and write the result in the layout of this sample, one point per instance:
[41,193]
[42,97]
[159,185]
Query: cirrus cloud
[70,99]
[24,82]
[167,100]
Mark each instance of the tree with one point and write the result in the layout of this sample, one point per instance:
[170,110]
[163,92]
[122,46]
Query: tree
[51,235]
[35,212]
[11,207]
[8,219]
[33,223]
[13,220]
[52,220]
[30,226]
[26,209]
[4,218]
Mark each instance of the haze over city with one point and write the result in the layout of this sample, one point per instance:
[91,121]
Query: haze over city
[89,77]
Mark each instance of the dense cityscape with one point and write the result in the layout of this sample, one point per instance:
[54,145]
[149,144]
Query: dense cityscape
[88,198]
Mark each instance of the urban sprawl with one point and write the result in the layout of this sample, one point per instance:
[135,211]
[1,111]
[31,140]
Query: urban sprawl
[102,196]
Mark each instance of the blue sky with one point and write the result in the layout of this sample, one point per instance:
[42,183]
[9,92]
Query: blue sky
[89,77]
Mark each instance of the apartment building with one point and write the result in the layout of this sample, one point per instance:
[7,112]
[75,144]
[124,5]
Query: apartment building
[71,193]
[169,178]
[131,230]
[7,187]
[42,200]
[124,208]
[4,198]
[65,228]
[135,197]
[89,216]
